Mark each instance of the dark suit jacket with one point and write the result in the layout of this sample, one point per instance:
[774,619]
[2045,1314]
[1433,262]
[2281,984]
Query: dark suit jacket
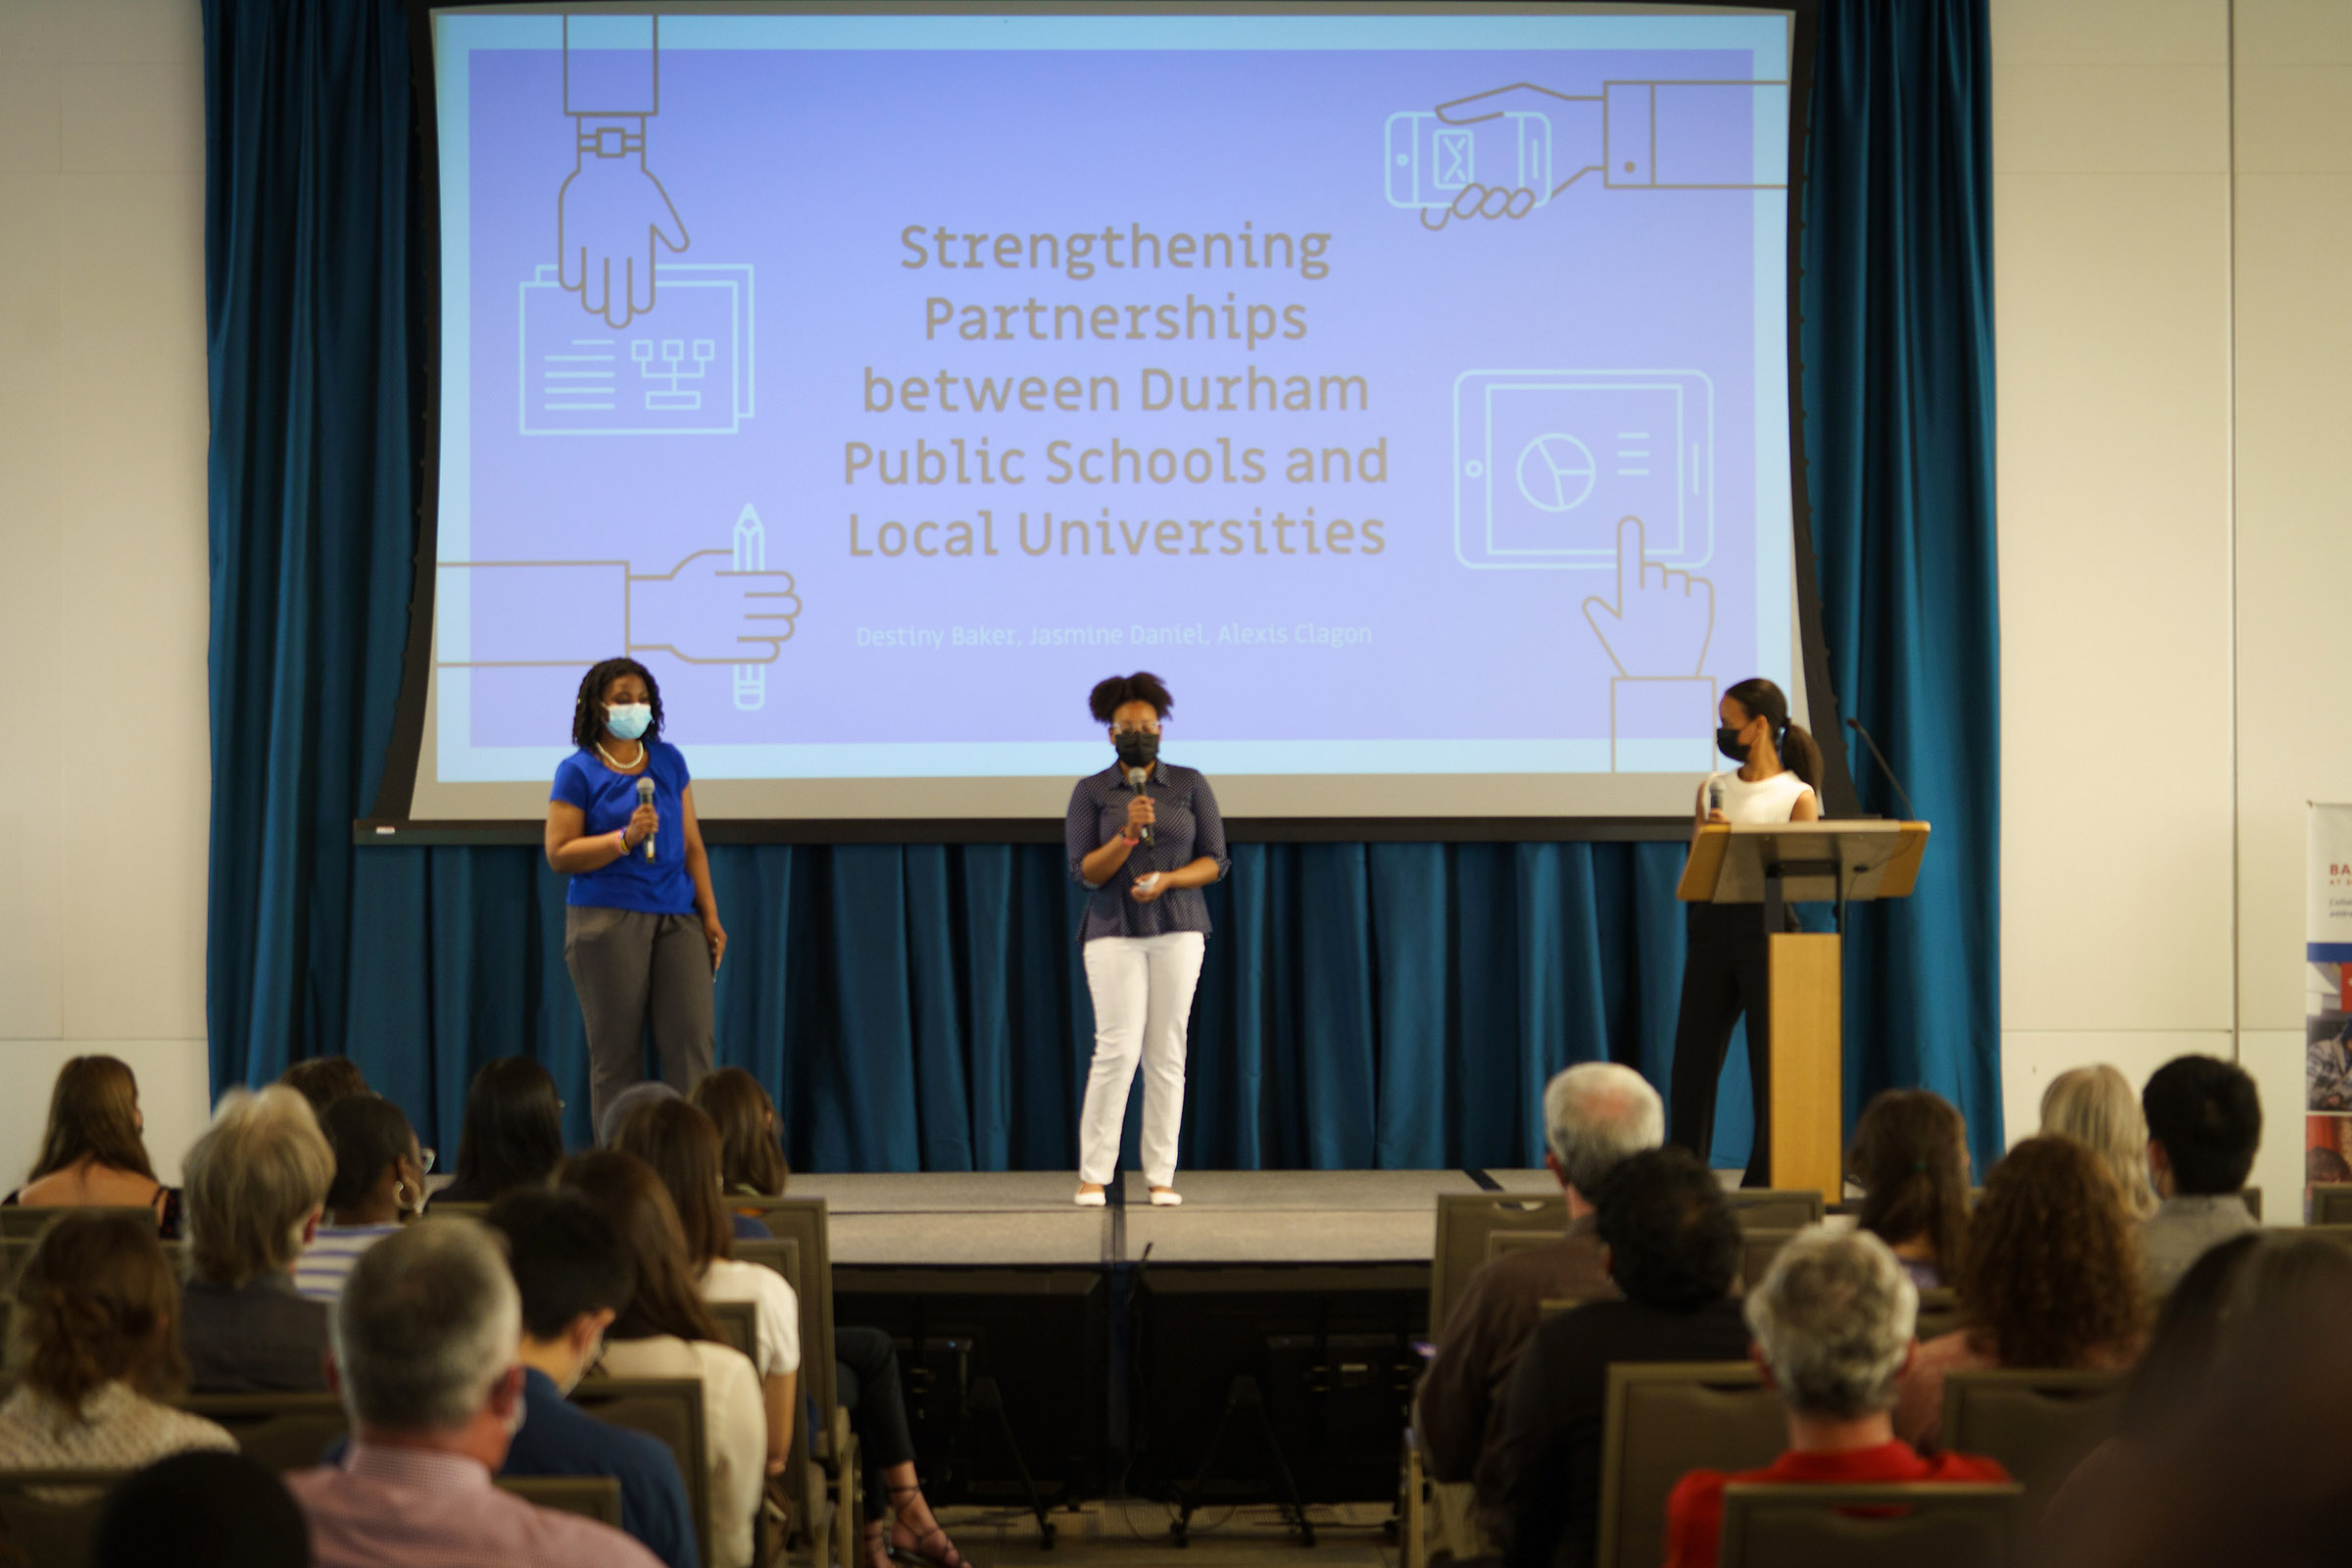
[259,1338]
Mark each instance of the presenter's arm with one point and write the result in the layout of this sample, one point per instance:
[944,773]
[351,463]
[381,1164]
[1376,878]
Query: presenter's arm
[572,849]
[1208,837]
[1097,863]
[698,866]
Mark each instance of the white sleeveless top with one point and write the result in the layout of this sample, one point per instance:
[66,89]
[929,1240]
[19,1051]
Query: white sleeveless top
[1770,800]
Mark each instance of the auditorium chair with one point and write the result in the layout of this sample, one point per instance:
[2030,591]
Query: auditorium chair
[284,1430]
[2332,1204]
[1755,1260]
[438,1209]
[47,1530]
[1938,1313]
[2340,1233]
[1775,1208]
[595,1498]
[670,1410]
[822,1473]
[1955,1525]
[28,1223]
[2038,1424]
[1664,1420]
[1465,1222]
[738,1324]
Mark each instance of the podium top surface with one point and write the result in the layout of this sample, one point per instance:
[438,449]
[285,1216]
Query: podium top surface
[1818,861]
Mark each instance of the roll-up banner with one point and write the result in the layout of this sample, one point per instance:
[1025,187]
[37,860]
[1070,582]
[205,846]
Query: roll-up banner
[2328,998]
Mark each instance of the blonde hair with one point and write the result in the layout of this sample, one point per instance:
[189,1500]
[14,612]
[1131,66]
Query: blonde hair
[2096,1107]
[255,1176]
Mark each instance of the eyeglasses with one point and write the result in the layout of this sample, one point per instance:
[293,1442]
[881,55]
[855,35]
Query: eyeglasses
[425,1160]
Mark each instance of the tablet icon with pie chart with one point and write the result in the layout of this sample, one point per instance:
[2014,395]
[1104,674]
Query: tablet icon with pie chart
[1546,463]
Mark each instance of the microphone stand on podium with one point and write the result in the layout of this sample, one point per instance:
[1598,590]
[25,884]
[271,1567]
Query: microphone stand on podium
[1776,864]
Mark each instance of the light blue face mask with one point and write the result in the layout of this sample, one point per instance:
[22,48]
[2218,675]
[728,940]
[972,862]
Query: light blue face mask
[626,721]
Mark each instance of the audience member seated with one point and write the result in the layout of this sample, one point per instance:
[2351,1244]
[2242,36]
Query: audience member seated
[1674,1250]
[324,1080]
[866,1364]
[751,1149]
[1832,1321]
[426,1332]
[573,1275]
[92,1153]
[627,1103]
[1910,1153]
[257,1187]
[203,1509]
[2096,1107]
[2049,1278]
[666,1331]
[94,1352]
[2204,1125]
[378,1183]
[1594,1115]
[512,1136]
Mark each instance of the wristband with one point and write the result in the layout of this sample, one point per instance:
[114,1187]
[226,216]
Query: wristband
[621,836]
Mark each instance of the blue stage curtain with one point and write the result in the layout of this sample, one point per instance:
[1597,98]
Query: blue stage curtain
[1897,343]
[922,1007]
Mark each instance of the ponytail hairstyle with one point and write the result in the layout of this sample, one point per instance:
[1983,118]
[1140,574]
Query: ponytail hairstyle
[1112,695]
[1910,1155]
[1794,744]
[588,708]
[97,1301]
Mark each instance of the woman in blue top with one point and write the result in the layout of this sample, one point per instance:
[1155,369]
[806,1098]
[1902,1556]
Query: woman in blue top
[1144,838]
[641,931]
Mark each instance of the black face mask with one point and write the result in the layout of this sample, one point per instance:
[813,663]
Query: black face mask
[1728,743]
[1138,748]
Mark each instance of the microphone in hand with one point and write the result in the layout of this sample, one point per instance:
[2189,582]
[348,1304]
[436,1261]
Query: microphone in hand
[645,800]
[1135,781]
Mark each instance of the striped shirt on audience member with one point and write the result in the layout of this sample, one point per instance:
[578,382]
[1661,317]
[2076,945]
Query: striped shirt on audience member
[324,1264]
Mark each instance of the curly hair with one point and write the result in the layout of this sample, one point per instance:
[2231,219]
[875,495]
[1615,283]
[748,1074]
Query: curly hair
[1673,1241]
[1115,693]
[97,1300]
[2050,1275]
[1910,1153]
[588,708]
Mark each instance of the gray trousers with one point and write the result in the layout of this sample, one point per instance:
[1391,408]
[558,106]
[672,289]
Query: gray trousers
[632,970]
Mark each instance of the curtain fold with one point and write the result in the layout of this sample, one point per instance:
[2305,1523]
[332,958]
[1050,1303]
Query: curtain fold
[1393,1006]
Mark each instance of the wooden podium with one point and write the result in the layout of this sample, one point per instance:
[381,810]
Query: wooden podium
[1776,864]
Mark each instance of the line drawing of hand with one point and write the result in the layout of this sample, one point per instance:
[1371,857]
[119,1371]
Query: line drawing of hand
[1576,126]
[706,611]
[608,214]
[1662,621]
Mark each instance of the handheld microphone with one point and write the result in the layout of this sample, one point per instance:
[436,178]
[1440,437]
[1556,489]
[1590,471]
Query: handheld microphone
[1884,767]
[1715,795]
[645,796]
[1135,782]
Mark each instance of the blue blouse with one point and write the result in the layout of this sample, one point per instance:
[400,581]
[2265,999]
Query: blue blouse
[608,800]
[1186,825]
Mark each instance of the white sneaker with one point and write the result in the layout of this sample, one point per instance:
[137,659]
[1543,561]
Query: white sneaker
[1165,1198]
[1090,1200]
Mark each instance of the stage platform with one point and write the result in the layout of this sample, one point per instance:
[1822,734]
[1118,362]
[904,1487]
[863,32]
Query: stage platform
[1025,1219]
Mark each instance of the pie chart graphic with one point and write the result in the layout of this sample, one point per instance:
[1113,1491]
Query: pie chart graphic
[1556,471]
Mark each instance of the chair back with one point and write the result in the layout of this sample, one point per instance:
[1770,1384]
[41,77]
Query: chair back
[2341,1235]
[2037,1424]
[14,1250]
[51,1516]
[1664,1420]
[1465,1223]
[595,1498]
[442,1208]
[739,1322]
[670,1410]
[2331,1204]
[1946,1524]
[1938,1313]
[803,1253]
[2252,1198]
[1775,1208]
[1503,1244]
[16,1220]
[284,1430]
[1756,1255]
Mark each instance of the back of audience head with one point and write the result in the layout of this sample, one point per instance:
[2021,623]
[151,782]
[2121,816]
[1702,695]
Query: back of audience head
[1910,1153]
[202,1509]
[682,1147]
[1834,1320]
[572,1272]
[426,1335]
[96,1302]
[257,1181]
[93,1115]
[2050,1275]
[2096,1107]
[378,1163]
[324,1080]
[2204,1126]
[750,1150]
[1595,1114]
[627,1103]
[1672,1242]
[637,1210]
[514,1131]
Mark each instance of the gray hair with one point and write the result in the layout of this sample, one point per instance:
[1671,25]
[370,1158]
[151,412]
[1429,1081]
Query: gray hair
[1594,1115]
[253,1180]
[626,1104]
[1833,1319]
[429,1322]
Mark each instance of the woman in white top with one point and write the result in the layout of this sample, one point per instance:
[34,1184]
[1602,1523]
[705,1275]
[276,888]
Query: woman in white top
[666,1332]
[1724,972]
[97,1332]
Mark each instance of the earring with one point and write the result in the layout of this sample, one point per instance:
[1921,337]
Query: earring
[400,1195]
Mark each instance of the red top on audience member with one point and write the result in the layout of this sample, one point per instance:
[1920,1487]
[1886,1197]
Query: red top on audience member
[1695,1513]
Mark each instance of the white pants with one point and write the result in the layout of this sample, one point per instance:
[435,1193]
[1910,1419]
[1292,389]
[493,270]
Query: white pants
[1143,990]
